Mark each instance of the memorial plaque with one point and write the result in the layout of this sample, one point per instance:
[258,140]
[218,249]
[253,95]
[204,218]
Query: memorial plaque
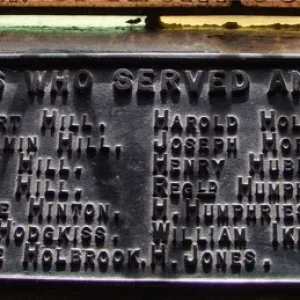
[150,167]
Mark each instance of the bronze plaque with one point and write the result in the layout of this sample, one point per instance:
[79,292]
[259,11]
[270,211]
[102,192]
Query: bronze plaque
[150,167]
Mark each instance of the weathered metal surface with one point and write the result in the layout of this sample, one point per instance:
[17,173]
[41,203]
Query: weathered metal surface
[235,6]
[114,3]
[272,3]
[150,167]
[149,3]
[151,7]
[211,41]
